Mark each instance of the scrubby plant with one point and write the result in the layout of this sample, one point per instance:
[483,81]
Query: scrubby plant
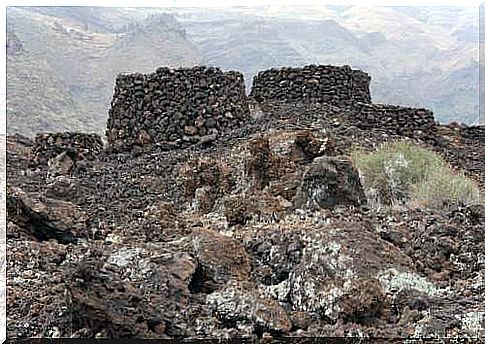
[402,172]
[442,188]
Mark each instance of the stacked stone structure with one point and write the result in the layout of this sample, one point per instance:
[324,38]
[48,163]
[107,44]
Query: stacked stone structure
[398,120]
[338,86]
[174,105]
[345,88]
[78,145]
[474,132]
[190,105]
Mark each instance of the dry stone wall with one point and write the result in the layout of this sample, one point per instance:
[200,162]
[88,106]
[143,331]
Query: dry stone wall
[175,105]
[324,84]
[474,132]
[411,122]
[196,105]
[79,145]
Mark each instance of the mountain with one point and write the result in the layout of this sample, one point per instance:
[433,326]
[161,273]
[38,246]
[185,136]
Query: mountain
[417,56]
[62,62]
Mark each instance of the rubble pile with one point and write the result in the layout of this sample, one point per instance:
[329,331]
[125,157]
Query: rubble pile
[463,148]
[37,224]
[261,232]
[185,104]
[18,148]
[78,146]
[324,84]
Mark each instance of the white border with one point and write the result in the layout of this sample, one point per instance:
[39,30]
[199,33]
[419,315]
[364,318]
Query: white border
[3,180]
[225,3]
[145,3]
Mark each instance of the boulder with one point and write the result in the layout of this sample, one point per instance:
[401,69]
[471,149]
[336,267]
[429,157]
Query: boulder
[220,259]
[239,302]
[34,223]
[329,182]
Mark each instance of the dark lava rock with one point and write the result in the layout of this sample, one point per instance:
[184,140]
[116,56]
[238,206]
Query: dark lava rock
[216,225]
[328,182]
[77,146]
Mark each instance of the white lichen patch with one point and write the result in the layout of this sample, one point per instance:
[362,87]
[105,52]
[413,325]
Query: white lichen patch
[113,238]
[325,277]
[278,292]
[478,282]
[134,262]
[481,259]
[474,322]
[124,256]
[205,326]
[310,294]
[330,300]
[235,303]
[357,333]
[324,255]
[394,281]
[423,328]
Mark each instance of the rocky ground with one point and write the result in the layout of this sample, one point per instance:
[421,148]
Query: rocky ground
[262,233]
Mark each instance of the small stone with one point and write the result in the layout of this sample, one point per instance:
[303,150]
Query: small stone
[190,130]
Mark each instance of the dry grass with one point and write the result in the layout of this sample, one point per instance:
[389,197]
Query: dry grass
[402,172]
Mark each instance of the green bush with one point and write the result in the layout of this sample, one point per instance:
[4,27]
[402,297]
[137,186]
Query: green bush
[402,172]
[441,188]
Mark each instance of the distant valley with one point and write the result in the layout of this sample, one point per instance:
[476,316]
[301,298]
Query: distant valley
[62,61]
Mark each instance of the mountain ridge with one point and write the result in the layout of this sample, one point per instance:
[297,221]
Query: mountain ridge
[73,54]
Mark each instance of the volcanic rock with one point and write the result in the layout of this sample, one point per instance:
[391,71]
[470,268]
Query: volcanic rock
[330,181]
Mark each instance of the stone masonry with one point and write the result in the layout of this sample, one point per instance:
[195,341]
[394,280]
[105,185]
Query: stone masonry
[78,145]
[324,84]
[399,120]
[175,105]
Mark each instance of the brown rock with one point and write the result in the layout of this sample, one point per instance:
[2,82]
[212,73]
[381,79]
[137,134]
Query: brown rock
[365,301]
[220,257]
[300,320]
[190,130]
[144,138]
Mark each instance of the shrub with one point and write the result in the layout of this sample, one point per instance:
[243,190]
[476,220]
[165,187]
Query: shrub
[402,172]
[442,188]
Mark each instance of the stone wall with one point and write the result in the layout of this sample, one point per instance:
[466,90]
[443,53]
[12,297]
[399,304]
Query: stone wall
[411,122]
[78,145]
[175,105]
[324,84]
[474,132]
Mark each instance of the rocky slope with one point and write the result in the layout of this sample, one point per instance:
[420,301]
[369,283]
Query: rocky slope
[62,62]
[264,233]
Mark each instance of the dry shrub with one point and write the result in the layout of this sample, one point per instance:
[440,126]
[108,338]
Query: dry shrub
[402,172]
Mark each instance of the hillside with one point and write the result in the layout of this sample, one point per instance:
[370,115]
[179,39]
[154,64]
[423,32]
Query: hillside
[63,77]
[417,57]
[257,221]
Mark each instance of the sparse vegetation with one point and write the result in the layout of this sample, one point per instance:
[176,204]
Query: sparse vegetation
[402,172]
[443,187]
